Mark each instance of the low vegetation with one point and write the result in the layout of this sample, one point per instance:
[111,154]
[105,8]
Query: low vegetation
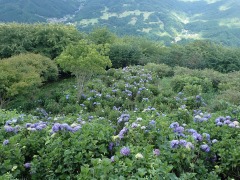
[139,119]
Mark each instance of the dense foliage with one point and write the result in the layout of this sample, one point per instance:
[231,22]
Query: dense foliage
[144,120]
[129,123]
[46,39]
[22,73]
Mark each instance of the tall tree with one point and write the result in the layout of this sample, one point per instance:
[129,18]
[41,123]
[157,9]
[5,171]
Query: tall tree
[83,60]
[22,73]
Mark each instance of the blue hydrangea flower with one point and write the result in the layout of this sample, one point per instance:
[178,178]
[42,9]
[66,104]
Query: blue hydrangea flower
[9,128]
[179,129]
[156,152]
[56,127]
[125,151]
[174,143]
[112,159]
[5,142]
[182,142]
[207,136]
[174,125]
[214,141]
[197,137]
[205,148]
[27,165]
[122,132]
[76,128]
[189,145]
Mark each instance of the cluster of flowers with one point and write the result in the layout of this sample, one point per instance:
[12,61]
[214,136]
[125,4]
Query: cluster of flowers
[36,126]
[60,127]
[9,128]
[149,108]
[181,142]
[125,151]
[123,118]
[220,121]
[200,117]
[177,129]
[194,134]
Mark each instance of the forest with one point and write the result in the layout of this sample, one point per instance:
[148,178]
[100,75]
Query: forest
[77,105]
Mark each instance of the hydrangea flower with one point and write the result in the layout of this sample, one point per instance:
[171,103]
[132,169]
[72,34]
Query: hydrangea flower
[214,141]
[139,156]
[205,148]
[207,136]
[125,151]
[174,125]
[112,159]
[122,132]
[197,136]
[9,128]
[156,152]
[179,129]
[174,143]
[182,142]
[134,125]
[189,145]
[56,127]
[27,165]
[5,142]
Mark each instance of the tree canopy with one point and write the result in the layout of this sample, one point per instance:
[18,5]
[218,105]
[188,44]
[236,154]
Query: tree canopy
[23,72]
[83,60]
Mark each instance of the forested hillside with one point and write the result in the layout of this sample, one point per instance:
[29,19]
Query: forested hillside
[30,11]
[169,21]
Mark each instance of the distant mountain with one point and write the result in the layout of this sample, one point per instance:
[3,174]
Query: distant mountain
[35,10]
[171,21]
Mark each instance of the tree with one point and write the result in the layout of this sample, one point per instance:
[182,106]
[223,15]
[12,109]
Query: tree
[22,73]
[124,54]
[46,39]
[83,60]
[102,36]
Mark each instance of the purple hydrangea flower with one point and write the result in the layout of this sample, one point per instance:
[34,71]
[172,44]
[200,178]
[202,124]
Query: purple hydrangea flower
[219,124]
[5,142]
[179,129]
[56,127]
[197,136]
[174,143]
[205,148]
[156,152]
[207,136]
[122,132]
[74,129]
[182,142]
[189,145]
[134,125]
[28,125]
[174,125]
[232,125]
[227,122]
[125,151]
[110,146]
[192,131]
[112,159]
[27,165]
[152,122]
[214,141]
[9,128]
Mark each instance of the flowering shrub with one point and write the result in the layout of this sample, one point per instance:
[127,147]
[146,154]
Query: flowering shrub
[128,125]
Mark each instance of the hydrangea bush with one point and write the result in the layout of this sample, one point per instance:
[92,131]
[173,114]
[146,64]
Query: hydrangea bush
[128,124]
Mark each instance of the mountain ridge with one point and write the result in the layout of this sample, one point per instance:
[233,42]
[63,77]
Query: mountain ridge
[169,21]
